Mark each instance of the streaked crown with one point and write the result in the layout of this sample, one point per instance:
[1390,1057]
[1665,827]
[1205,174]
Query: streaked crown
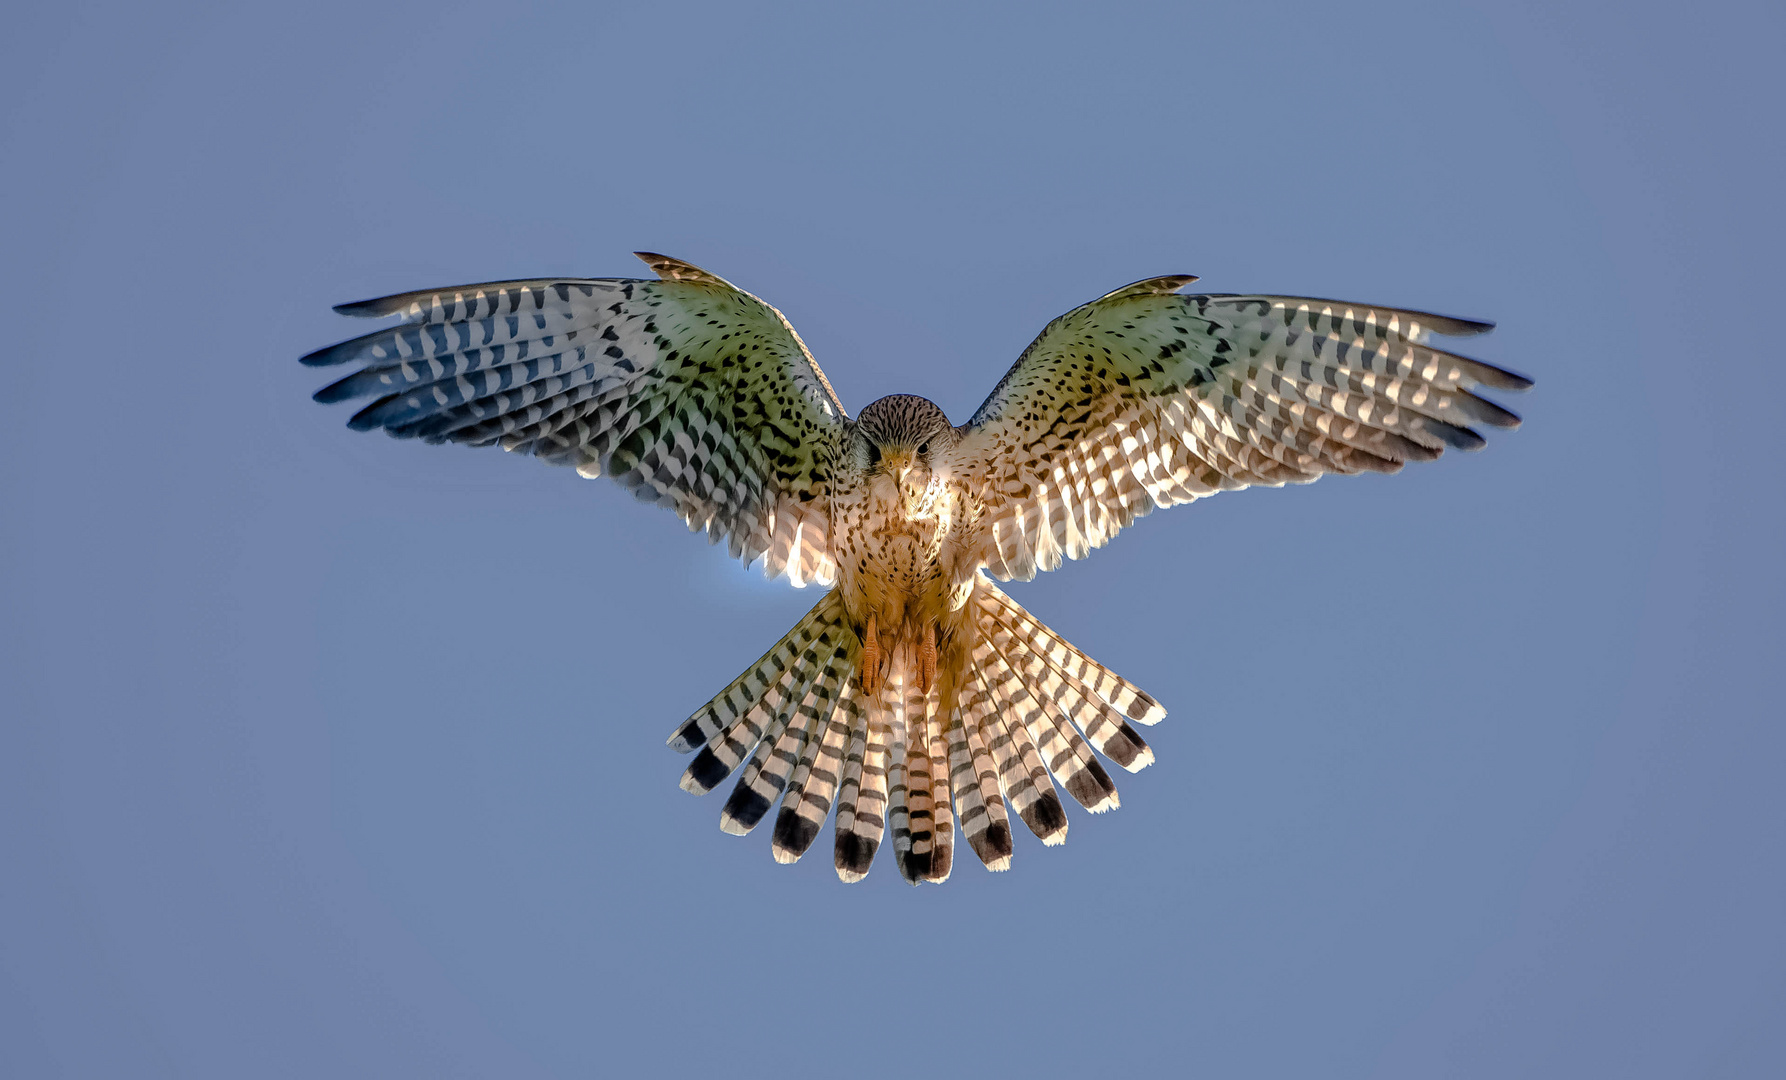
[903,420]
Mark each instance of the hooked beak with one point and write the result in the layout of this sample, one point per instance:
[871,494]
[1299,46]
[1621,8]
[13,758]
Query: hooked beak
[899,464]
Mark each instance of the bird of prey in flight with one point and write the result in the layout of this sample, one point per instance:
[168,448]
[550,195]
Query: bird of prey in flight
[915,695]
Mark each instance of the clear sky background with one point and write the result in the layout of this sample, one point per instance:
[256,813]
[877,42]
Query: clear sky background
[327,755]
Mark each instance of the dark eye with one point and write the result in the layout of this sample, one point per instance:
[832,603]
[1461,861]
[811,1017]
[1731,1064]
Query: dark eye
[874,454]
[923,448]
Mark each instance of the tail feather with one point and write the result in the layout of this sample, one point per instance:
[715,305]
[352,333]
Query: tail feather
[1025,711]
[974,773]
[1104,726]
[763,779]
[738,718]
[942,802]
[1134,702]
[808,799]
[727,706]
[862,801]
[899,815]
[1024,776]
[1069,759]
[930,822]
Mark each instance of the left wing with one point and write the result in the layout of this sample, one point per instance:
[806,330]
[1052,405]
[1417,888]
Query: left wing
[1146,398]
[688,390]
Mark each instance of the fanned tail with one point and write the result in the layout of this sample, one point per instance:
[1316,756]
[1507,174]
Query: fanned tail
[1020,711]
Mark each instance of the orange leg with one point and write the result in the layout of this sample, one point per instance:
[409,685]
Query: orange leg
[927,659]
[871,658]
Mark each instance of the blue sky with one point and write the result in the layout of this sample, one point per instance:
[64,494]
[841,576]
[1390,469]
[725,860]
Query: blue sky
[330,755]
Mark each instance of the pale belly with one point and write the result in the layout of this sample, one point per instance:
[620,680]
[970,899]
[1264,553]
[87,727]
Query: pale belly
[898,559]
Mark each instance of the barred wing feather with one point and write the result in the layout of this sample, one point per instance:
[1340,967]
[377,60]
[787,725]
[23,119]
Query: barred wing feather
[1147,398]
[688,390]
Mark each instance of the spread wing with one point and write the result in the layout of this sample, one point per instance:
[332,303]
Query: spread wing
[1148,398]
[688,390]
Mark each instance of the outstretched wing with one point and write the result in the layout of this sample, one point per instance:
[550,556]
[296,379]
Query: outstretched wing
[688,390]
[1146,398]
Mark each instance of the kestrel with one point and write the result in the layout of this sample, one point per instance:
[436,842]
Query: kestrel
[915,693]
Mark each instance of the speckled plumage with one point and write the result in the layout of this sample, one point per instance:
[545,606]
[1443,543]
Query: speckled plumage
[916,696]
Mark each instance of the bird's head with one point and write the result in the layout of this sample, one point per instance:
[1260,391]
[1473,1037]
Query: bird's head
[902,437]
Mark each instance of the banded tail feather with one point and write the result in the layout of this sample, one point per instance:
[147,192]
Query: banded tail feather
[1026,778]
[808,799]
[729,725]
[1024,712]
[1134,702]
[899,813]
[862,803]
[974,772]
[764,779]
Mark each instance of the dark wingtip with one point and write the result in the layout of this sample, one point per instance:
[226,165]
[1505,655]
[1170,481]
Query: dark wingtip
[1492,414]
[372,416]
[1502,379]
[339,390]
[1454,436]
[324,357]
[1451,325]
[371,309]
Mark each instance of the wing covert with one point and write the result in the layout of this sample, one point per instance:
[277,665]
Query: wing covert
[1146,398]
[688,390]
